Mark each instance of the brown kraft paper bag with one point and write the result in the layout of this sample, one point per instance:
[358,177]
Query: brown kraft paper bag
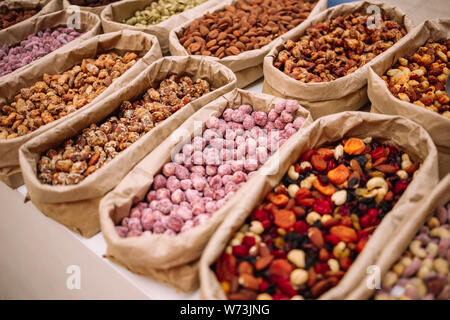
[173,259]
[113,14]
[383,101]
[408,136]
[89,27]
[47,6]
[248,65]
[344,94]
[144,45]
[405,234]
[74,205]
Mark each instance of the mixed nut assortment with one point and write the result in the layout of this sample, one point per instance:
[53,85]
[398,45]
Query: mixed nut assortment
[421,77]
[245,25]
[210,168]
[159,11]
[58,95]
[35,46]
[337,47]
[308,231]
[9,17]
[76,158]
[422,272]
[91,3]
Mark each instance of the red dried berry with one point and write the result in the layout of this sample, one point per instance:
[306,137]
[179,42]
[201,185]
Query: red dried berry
[263,285]
[322,207]
[286,287]
[301,227]
[266,224]
[240,251]
[377,153]
[279,254]
[401,186]
[248,241]
[332,239]
[344,211]
[280,296]
[261,215]
[322,268]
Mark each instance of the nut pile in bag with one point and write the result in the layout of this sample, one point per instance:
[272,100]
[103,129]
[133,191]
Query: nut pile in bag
[210,168]
[34,47]
[9,17]
[76,158]
[422,272]
[308,231]
[243,26]
[58,95]
[159,11]
[337,47]
[91,3]
[421,77]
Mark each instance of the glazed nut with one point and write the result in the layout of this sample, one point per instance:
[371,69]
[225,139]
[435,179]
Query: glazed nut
[297,257]
[292,190]
[294,175]
[416,248]
[406,162]
[339,249]
[333,264]
[9,17]
[402,174]
[256,227]
[312,217]
[339,198]
[299,277]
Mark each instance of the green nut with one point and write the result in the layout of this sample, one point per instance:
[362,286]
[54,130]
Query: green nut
[159,11]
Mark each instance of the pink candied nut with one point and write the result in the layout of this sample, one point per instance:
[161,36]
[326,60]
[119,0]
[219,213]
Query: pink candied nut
[260,118]
[177,196]
[163,193]
[246,108]
[173,183]
[169,169]
[237,116]
[298,122]
[159,182]
[181,172]
[212,123]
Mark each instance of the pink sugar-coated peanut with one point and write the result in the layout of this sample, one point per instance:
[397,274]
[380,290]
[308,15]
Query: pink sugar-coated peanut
[212,123]
[199,143]
[181,172]
[170,232]
[238,116]
[216,182]
[154,205]
[230,134]
[298,122]
[185,204]
[169,169]
[197,158]
[279,124]
[211,207]
[224,169]
[248,122]
[262,155]
[237,165]
[286,117]
[226,155]
[246,108]
[208,192]
[239,176]
[250,146]
[210,134]
[179,158]
[159,182]
[229,187]
[122,231]
[192,195]
[272,116]
[251,164]
[201,219]
[163,193]
[148,219]
[269,126]
[219,194]
[186,184]
[211,156]
[198,169]
[174,223]
[260,118]
[135,212]
[290,132]
[188,149]
[134,224]
[188,225]
[198,183]
[211,170]
[173,183]
[142,205]
[227,178]
[217,143]
[158,227]
[280,105]
[165,206]
[292,106]
[198,207]
[177,196]
[134,233]
[184,213]
[227,114]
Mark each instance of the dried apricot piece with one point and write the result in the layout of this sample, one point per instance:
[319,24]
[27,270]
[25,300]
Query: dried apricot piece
[302,193]
[339,174]
[281,267]
[327,190]
[326,153]
[318,162]
[284,219]
[354,146]
[279,200]
[344,233]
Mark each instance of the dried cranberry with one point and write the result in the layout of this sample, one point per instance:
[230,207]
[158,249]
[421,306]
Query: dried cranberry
[261,215]
[321,206]
[280,296]
[331,165]
[301,227]
[344,211]
[266,224]
[286,287]
[377,153]
[240,251]
[263,286]
[322,268]
[248,241]
[332,239]
[401,186]
[279,254]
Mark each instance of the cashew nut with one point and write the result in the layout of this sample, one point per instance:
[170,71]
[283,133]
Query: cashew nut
[339,197]
[406,162]
[377,187]
[333,264]
[440,232]
[338,151]
[294,175]
[312,217]
[256,227]
[416,248]
[292,190]
[307,183]
[402,174]
[305,164]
